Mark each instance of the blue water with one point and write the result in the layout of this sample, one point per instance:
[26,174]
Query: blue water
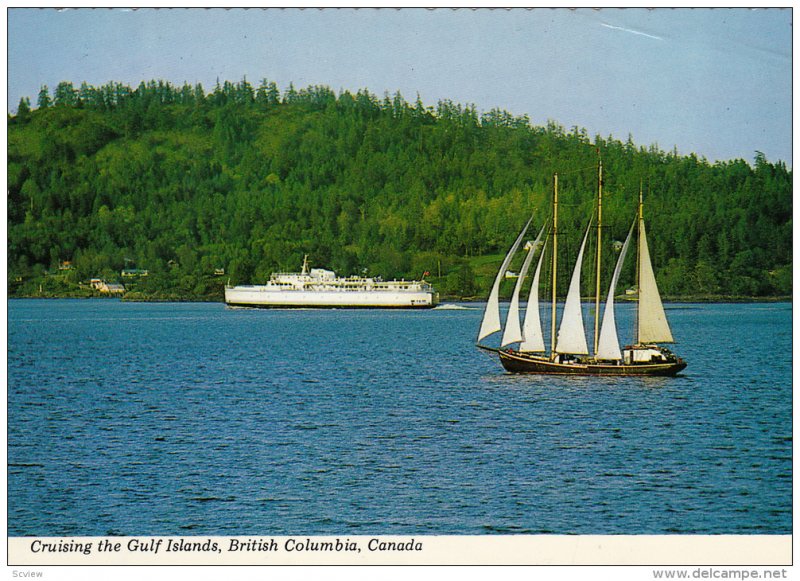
[190,419]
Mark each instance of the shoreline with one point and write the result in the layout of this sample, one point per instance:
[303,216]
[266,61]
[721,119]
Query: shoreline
[702,299]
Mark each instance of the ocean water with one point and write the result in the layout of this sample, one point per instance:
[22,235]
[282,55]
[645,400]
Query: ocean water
[194,419]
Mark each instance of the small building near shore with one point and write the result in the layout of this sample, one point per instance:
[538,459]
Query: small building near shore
[102,286]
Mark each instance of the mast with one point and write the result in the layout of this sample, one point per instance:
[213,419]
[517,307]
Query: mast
[555,264]
[638,264]
[599,238]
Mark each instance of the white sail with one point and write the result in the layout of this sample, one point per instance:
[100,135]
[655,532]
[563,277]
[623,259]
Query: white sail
[512,332]
[608,344]
[653,326]
[491,316]
[571,333]
[533,338]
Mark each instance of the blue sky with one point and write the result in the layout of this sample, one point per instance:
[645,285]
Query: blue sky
[716,82]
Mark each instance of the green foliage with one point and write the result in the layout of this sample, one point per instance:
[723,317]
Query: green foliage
[249,179]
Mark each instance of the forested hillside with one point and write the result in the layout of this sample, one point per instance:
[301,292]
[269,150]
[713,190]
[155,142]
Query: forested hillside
[187,184]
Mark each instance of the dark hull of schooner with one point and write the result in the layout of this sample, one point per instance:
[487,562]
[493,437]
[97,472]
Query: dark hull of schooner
[520,362]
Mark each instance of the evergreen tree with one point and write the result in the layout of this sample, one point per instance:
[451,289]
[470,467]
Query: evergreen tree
[44,100]
[24,110]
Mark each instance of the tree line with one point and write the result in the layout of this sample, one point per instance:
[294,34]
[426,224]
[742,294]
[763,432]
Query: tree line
[247,179]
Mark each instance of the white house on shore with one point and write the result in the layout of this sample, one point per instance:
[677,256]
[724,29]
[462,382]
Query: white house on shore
[106,287]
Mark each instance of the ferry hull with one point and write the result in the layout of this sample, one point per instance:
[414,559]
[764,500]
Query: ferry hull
[516,362]
[270,299]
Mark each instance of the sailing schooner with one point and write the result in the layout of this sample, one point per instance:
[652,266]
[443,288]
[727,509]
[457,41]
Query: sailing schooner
[569,352]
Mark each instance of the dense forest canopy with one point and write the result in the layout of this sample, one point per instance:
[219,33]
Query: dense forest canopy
[187,184]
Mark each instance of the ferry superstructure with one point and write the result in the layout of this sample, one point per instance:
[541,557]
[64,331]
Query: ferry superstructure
[321,288]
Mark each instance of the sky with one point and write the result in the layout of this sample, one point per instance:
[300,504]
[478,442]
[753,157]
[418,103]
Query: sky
[714,82]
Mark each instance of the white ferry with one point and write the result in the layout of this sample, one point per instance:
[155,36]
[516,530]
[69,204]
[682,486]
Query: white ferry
[320,288]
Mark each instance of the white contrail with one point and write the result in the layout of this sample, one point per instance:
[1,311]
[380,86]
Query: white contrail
[631,31]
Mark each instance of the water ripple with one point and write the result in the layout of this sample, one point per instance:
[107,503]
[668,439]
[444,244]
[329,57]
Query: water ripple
[195,419]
